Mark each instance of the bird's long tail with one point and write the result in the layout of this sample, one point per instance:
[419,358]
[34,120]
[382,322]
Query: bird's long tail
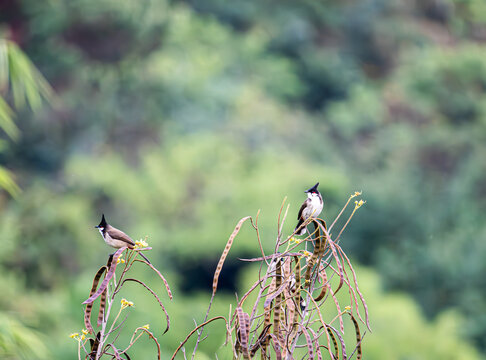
[302,231]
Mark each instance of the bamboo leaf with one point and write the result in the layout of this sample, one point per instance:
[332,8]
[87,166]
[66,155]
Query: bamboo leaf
[28,84]
[7,182]
[6,120]
[4,72]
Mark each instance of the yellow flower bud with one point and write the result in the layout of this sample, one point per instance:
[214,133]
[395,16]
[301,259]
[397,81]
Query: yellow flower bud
[140,244]
[125,303]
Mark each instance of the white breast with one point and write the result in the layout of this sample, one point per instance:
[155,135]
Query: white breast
[315,207]
[112,242]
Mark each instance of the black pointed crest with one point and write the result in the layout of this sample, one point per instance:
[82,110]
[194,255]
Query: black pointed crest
[102,223]
[313,189]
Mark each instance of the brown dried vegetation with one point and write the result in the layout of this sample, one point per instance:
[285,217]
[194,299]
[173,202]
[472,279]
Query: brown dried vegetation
[281,313]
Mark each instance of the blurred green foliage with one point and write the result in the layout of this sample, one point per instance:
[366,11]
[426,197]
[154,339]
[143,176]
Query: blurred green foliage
[20,81]
[177,119]
[19,342]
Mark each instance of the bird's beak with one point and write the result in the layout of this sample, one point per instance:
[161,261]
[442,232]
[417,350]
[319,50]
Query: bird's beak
[97,227]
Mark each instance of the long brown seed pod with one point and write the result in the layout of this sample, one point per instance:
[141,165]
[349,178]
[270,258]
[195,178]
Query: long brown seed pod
[225,253]
[89,306]
[243,331]
[106,280]
[359,353]
[278,302]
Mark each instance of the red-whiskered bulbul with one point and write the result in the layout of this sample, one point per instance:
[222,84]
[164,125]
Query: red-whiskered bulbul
[116,238]
[311,207]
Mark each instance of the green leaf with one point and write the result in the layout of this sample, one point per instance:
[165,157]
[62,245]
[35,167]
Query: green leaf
[27,83]
[7,182]
[6,120]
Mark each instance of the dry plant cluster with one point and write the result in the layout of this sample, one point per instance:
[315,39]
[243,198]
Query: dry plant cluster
[103,342]
[282,314]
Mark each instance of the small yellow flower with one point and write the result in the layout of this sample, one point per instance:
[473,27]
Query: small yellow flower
[356,193]
[125,303]
[347,308]
[141,244]
[74,335]
[85,332]
[146,326]
[306,253]
[120,260]
[358,204]
[83,337]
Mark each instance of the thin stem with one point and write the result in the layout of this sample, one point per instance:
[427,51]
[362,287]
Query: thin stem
[199,333]
[103,324]
[255,226]
[133,341]
[114,321]
[347,222]
[342,210]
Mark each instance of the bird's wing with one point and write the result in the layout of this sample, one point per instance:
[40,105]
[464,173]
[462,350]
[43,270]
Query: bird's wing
[120,235]
[304,205]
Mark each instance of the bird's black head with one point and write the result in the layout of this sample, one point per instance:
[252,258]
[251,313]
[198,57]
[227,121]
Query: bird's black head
[103,223]
[313,189]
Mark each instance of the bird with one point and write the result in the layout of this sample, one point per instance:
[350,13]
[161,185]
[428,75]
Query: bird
[311,207]
[116,238]
[303,304]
